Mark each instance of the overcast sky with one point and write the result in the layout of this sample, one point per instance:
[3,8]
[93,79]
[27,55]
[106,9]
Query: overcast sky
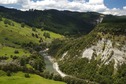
[115,7]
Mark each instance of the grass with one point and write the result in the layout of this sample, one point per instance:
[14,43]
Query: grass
[7,51]
[15,36]
[11,39]
[18,78]
[16,33]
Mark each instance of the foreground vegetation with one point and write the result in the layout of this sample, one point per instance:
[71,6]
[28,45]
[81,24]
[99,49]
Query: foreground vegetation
[19,78]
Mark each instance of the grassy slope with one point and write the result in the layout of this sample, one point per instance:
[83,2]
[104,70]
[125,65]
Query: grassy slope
[11,35]
[25,34]
[16,34]
[7,51]
[18,78]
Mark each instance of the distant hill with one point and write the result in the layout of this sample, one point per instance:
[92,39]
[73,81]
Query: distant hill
[63,22]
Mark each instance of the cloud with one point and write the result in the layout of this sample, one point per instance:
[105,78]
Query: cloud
[115,11]
[8,1]
[96,1]
[73,5]
[124,7]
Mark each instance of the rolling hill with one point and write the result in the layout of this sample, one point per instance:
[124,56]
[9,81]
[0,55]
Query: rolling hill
[63,22]
[18,52]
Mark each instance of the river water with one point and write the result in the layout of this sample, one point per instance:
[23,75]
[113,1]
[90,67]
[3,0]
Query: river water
[49,64]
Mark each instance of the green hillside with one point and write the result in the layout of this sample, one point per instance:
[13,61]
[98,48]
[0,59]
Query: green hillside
[19,46]
[14,36]
[24,33]
[107,41]
[107,29]
[63,22]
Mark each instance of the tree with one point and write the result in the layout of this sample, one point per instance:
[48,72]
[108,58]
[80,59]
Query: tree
[33,34]
[36,35]
[6,25]
[57,78]
[23,25]
[39,65]
[6,21]
[0,18]
[66,33]
[41,40]
[34,29]
[12,24]
[8,73]
[16,51]
[46,35]
[27,75]
[22,61]
[42,29]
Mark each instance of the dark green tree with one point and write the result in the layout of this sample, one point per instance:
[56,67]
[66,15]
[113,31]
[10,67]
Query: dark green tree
[0,18]
[8,73]
[27,75]
[22,25]
[6,21]
[46,35]
[34,29]
[22,61]
[16,51]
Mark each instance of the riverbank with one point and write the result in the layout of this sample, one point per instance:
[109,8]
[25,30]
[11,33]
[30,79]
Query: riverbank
[53,62]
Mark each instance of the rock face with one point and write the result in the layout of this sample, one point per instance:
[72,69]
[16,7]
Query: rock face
[105,52]
[99,20]
[64,55]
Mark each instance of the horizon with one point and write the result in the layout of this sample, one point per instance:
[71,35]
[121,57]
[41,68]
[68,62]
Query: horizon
[59,10]
[114,7]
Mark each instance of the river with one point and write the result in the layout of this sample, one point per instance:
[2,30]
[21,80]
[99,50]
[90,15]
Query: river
[51,65]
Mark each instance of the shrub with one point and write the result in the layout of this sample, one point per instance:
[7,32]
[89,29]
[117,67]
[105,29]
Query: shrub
[16,51]
[23,25]
[57,78]
[14,57]
[33,34]
[46,35]
[0,18]
[42,29]
[2,73]
[34,29]
[8,73]
[12,24]
[36,35]
[6,21]
[27,75]
[22,61]
[6,25]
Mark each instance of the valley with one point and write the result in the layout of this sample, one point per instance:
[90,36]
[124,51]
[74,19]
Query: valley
[61,47]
